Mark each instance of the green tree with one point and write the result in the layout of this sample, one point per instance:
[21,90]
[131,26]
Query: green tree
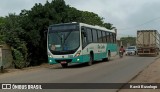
[2,21]
[129,40]
[91,18]
[12,35]
[108,26]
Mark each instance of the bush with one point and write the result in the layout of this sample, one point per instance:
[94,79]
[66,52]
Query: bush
[19,61]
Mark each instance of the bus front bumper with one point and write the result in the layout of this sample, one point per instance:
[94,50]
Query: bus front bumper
[67,60]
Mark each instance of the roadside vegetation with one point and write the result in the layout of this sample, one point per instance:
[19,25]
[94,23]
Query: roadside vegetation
[26,32]
[128,40]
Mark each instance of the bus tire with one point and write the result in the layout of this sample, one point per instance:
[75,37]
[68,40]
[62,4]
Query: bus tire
[104,59]
[135,53]
[64,65]
[109,56]
[91,59]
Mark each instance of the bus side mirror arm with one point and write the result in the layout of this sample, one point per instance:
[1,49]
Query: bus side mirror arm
[45,33]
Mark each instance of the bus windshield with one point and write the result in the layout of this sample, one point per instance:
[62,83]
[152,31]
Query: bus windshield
[63,41]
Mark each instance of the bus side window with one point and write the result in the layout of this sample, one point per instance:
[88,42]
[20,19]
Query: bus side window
[106,37]
[84,37]
[114,38]
[94,35]
[110,37]
[103,36]
[99,36]
[89,35]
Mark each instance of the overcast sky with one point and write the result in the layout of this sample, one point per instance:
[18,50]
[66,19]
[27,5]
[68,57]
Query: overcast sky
[126,15]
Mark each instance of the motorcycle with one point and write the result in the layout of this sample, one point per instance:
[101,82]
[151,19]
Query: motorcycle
[120,54]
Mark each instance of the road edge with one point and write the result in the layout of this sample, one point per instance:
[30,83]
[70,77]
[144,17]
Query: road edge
[158,57]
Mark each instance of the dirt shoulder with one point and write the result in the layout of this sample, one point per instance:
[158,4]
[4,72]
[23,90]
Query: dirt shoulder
[150,75]
[45,65]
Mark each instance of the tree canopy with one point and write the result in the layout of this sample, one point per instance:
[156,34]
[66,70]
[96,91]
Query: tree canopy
[128,41]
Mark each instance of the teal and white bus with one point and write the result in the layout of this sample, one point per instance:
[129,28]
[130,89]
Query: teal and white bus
[80,43]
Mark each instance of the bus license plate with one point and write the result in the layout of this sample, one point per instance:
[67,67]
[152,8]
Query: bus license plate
[63,62]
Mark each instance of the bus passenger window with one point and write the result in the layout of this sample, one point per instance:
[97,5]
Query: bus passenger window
[114,38]
[104,37]
[111,38]
[99,36]
[89,35]
[108,37]
[94,35]
[84,38]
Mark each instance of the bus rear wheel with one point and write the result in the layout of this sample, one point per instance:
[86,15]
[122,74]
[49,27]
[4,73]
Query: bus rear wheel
[109,56]
[64,65]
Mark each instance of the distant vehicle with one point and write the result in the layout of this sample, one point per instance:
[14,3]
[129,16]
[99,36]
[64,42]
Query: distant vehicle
[148,42]
[131,50]
[80,43]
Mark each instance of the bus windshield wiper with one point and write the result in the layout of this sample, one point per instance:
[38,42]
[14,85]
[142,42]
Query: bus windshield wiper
[66,37]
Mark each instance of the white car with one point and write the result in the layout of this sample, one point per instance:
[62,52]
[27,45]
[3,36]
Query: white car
[131,50]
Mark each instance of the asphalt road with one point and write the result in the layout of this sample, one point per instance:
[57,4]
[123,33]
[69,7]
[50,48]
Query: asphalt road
[116,71]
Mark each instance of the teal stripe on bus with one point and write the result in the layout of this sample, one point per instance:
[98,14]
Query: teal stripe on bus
[112,47]
[82,58]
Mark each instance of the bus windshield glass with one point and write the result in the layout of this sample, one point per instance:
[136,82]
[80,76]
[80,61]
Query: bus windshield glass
[63,40]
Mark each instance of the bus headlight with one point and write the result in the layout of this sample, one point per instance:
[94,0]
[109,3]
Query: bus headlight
[50,61]
[49,55]
[78,53]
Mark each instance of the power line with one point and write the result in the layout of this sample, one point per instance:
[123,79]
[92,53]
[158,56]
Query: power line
[150,21]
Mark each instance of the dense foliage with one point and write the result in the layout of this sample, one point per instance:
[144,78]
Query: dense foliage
[128,40]
[26,32]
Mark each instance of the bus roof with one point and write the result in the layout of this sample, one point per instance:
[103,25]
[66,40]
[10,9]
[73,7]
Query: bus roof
[87,25]
[97,27]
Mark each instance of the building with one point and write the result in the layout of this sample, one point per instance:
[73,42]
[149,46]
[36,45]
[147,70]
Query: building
[6,59]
